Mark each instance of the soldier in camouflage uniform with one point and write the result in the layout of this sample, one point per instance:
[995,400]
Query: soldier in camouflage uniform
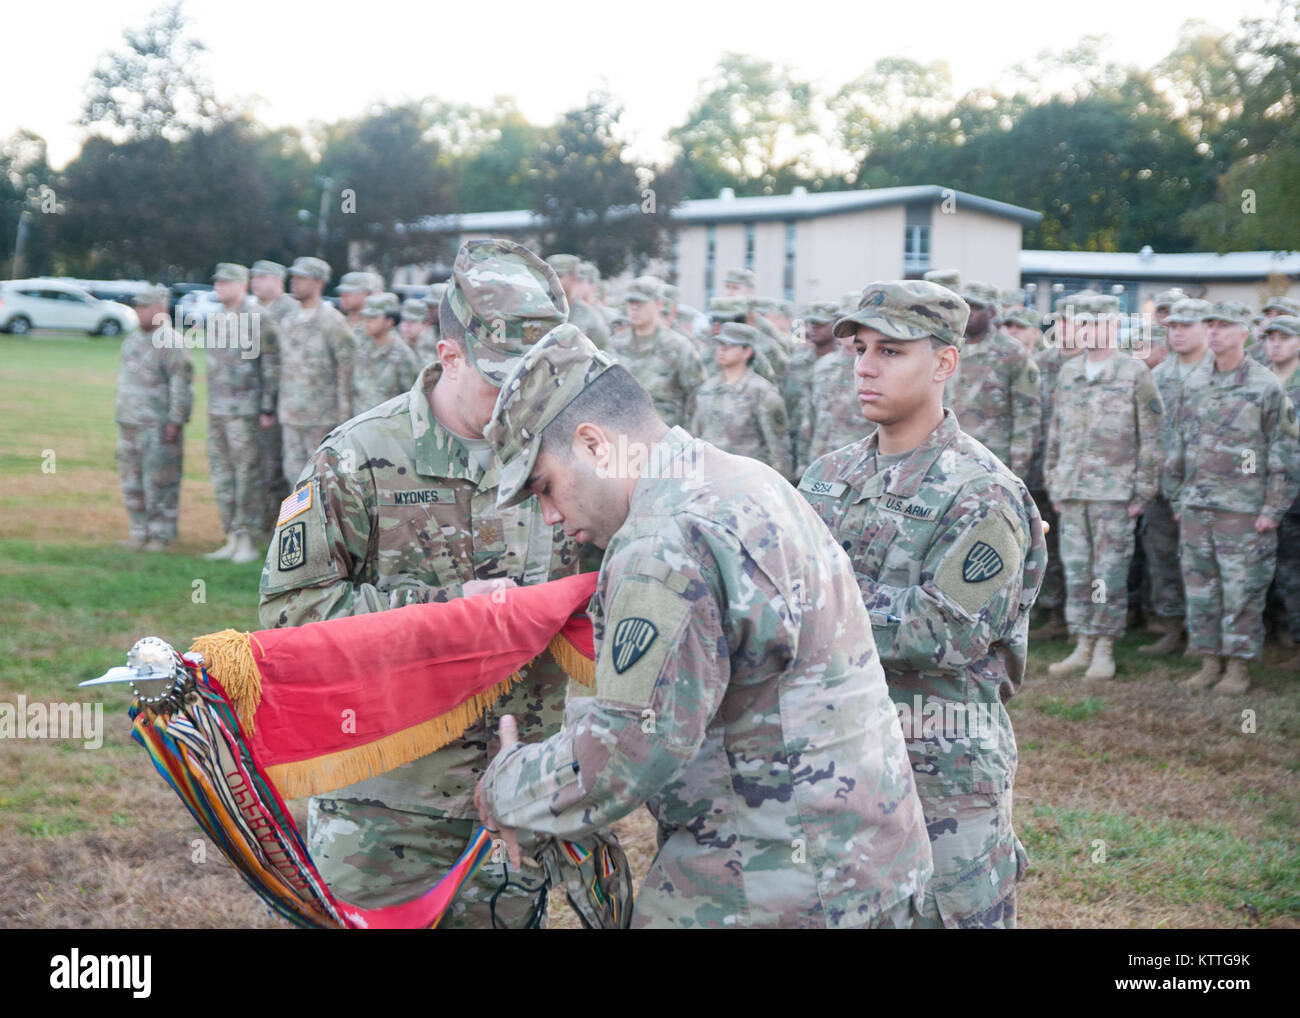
[663,361]
[1282,341]
[154,398]
[266,280]
[948,552]
[581,314]
[832,415]
[1165,606]
[732,309]
[1102,470]
[1163,304]
[1275,306]
[743,283]
[1234,470]
[739,412]
[243,364]
[1024,326]
[416,332]
[995,391]
[353,290]
[316,352]
[403,510]
[818,341]
[385,366]
[738,690]
[589,291]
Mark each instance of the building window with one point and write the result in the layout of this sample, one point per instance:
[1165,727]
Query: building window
[709,260]
[749,246]
[916,249]
[788,279]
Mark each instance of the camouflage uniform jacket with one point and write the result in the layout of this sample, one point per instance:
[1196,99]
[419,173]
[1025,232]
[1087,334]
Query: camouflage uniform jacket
[240,385]
[280,307]
[380,374]
[154,382]
[795,387]
[1170,383]
[1236,446]
[832,415]
[1049,363]
[590,321]
[426,346]
[316,352]
[397,505]
[996,398]
[739,692]
[949,553]
[746,418]
[667,367]
[1104,443]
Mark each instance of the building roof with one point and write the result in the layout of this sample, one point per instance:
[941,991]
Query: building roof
[1148,265]
[798,204]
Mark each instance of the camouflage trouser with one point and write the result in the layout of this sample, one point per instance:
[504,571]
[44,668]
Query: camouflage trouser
[299,444]
[372,855]
[235,459]
[275,489]
[150,469]
[1227,568]
[1163,595]
[1051,595]
[1288,570]
[1096,545]
[977,862]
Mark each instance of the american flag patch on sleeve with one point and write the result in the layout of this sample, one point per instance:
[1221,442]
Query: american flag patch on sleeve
[298,502]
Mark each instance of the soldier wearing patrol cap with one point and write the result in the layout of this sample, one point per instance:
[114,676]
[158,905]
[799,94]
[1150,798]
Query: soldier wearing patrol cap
[353,290]
[948,551]
[1024,326]
[243,366]
[1164,303]
[581,313]
[401,508]
[385,366]
[415,331]
[266,281]
[664,362]
[738,691]
[796,386]
[1282,341]
[832,415]
[743,283]
[1234,470]
[948,278]
[316,352]
[740,412]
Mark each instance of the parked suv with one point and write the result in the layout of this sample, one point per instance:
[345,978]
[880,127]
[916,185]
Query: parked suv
[27,304]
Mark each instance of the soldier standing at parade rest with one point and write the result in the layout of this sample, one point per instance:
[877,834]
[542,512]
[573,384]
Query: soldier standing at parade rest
[154,397]
[738,690]
[401,509]
[662,361]
[385,366]
[948,552]
[266,280]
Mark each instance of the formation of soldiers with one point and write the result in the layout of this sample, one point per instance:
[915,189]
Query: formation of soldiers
[807,635]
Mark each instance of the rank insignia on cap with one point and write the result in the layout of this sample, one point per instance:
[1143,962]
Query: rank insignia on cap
[982,563]
[632,638]
[293,547]
[531,332]
[298,502]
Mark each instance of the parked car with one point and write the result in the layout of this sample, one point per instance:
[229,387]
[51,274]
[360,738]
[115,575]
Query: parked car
[27,304]
[195,306]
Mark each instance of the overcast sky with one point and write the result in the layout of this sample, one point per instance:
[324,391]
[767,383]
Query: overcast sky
[308,62]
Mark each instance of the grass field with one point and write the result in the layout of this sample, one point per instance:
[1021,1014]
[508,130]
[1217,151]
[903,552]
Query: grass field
[1197,818]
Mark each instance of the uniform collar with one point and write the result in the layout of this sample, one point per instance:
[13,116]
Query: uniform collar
[663,455]
[438,452]
[1109,367]
[905,477]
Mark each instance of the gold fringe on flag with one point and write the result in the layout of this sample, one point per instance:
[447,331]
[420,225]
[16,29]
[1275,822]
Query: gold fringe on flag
[228,657]
[579,667]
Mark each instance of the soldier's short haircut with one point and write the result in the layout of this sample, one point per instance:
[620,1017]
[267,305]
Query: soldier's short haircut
[614,399]
[449,327]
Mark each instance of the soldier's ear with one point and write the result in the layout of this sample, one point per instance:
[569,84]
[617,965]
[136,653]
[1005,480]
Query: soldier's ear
[945,363]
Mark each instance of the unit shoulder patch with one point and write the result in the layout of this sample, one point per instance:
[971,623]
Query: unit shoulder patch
[981,563]
[641,626]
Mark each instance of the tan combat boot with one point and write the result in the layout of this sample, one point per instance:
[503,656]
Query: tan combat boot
[1237,680]
[1169,642]
[225,551]
[1211,669]
[245,550]
[1103,659]
[1053,628]
[1077,661]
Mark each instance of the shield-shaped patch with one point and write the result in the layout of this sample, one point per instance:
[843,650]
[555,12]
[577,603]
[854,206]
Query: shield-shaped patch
[982,563]
[293,546]
[632,638]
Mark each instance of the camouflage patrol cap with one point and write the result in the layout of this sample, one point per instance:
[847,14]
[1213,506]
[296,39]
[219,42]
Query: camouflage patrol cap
[413,310]
[1011,298]
[380,304]
[725,309]
[822,311]
[1022,316]
[1287,324]
[738,334]
[588,272]
[980,294]
[263,267]
[312,268]
[766,305]
[433,295]
[908,309]
[1168,298]
[1069,303]
[564,264]
[645,288]
[741,277]
[1287,305]
[549,376]
[849,302]
[616,317]
[1101,304]
[671,294]
[355,282]
[949,278]
[376,282]
[1229,311]
[506,299]
[1189,309]
[230,272]
[151,295]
